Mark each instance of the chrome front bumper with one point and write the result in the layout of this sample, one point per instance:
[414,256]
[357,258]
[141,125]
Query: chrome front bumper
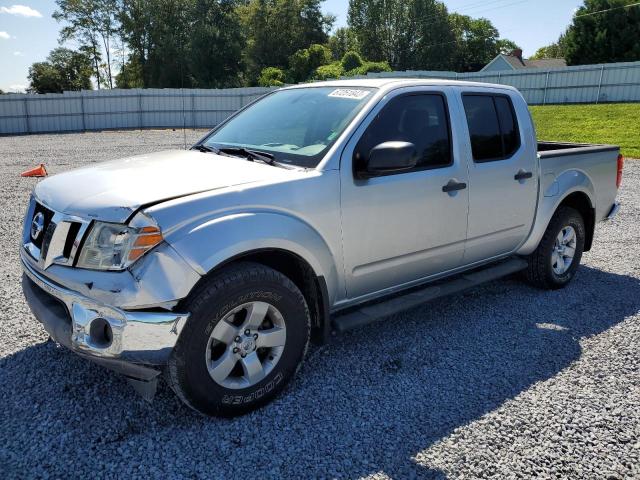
[134,337]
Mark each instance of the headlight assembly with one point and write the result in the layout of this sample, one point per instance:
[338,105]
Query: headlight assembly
[114,246]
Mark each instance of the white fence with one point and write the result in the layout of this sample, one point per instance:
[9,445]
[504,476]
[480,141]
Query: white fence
[609,82]
[177,108]
[121,109]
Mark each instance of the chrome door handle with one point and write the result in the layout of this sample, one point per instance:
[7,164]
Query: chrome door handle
[522,175]
[453,186]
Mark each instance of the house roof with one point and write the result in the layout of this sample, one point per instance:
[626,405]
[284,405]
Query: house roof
[546,63]
[518,63]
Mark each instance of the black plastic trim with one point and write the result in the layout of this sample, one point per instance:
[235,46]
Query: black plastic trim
[565,149]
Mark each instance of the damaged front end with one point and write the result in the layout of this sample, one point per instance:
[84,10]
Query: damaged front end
[121,319]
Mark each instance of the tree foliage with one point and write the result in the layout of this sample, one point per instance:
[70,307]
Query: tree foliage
[227,43]
[609,36]
[342,41]
[276,29]
[63,70]
[477,43]
[304,62]
[555,50]
[217,42]
[93,25]
[422,35]
[271,77]
[351,60]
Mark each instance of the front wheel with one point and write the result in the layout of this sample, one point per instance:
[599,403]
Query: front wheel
[246,336]
[555,261]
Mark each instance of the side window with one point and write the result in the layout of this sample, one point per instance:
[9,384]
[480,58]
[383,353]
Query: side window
[420,119]
[492,127]
[508,125]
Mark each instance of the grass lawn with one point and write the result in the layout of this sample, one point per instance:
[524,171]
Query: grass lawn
[615,123]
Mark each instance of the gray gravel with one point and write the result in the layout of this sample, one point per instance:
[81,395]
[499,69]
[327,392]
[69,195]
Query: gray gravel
[503,381]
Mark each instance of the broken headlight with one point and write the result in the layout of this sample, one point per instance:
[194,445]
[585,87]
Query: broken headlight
[114,246]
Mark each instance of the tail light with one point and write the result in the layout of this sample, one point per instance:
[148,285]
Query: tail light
[620,167]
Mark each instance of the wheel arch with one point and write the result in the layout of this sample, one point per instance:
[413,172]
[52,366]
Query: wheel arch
[299,271]
[579,198]
[581,202]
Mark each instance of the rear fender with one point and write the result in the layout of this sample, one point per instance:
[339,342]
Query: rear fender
[553,193]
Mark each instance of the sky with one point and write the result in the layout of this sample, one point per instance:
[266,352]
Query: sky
[28,33]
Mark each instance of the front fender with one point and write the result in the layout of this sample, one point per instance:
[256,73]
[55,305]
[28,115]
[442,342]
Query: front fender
[551,196]
[207,245]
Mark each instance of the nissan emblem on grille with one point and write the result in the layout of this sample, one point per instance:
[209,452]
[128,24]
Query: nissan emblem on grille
[37,225]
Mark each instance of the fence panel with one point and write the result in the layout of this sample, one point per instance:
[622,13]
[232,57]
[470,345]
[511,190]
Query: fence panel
[121,109]
[203,108]
[610,82]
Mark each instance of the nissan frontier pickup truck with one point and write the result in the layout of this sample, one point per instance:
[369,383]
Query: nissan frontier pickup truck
[314,210]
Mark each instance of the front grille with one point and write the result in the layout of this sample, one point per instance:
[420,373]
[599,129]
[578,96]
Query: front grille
[58,238]
[48,215]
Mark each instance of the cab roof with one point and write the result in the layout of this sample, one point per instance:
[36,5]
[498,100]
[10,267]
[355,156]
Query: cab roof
[391,83]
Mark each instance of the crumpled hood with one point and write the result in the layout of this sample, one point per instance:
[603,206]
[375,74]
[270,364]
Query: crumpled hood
[111,191]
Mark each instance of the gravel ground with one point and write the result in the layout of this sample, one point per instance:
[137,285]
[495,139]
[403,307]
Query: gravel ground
[503,381]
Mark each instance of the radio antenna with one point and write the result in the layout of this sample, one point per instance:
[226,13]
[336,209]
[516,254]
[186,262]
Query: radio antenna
[184,113]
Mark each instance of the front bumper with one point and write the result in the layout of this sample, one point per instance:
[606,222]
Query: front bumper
[126,341]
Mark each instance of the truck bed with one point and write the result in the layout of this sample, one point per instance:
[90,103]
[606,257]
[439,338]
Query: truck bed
[561,149]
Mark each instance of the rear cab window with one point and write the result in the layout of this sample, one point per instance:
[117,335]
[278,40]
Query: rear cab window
[493,126]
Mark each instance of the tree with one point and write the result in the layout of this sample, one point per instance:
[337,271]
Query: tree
[303,62]
[477,42]
[409,34]
[609,36]
[506,46]
[351,61]
[158,33]
[433,47]
[64,70]
[342,41]
[422,35]
[555,50]
[93,24]
[276,29]
[380,27]
[217,41]
[271,77]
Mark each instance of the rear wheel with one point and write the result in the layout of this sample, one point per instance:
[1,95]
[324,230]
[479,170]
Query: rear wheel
[245,338]
[555,261]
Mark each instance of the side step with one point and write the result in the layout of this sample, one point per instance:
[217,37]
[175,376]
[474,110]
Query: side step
[374,312]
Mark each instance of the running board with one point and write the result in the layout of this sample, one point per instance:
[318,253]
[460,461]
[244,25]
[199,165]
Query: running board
[374,312]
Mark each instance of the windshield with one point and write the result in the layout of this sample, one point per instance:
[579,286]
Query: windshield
[296,126]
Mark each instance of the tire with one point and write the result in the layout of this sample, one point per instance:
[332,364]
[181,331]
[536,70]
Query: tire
[548,269]
[223,309]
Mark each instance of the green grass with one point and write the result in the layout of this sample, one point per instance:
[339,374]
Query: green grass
[615,124]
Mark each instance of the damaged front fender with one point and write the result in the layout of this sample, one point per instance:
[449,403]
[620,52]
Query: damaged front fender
[159,280]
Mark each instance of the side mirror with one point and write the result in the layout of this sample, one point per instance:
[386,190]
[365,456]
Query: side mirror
[390,157]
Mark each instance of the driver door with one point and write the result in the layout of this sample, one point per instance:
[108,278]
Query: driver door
[402,227]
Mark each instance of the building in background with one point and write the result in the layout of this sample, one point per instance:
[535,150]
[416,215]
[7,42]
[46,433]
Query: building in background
[514,61]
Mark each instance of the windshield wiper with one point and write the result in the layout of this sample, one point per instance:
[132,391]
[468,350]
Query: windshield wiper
[201,147]
[253,155]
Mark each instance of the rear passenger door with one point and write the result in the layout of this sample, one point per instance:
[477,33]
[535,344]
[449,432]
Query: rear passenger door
[502,174]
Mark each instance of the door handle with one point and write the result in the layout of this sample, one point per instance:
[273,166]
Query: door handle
[522,175]
[453,186]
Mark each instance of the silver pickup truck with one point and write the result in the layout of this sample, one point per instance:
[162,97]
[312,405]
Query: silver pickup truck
[316,209]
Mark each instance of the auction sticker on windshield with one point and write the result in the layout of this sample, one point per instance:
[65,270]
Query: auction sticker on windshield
[349,93]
